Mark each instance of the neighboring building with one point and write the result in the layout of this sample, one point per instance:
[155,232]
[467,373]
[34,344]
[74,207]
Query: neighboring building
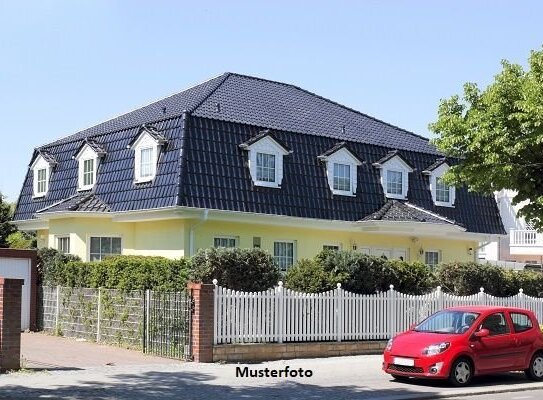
[248,162]
[523,244]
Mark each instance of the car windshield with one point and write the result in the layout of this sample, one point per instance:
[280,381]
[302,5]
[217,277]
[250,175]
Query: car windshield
[448,321]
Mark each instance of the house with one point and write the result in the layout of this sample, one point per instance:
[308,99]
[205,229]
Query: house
[522,245]
[248,162]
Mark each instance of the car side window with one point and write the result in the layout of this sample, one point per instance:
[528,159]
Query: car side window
[496,324]
[521,322]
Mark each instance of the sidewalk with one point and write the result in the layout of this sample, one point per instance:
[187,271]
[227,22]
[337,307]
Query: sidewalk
[357,377]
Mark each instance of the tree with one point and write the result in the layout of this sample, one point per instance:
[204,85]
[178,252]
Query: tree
[497,136]
[6,227]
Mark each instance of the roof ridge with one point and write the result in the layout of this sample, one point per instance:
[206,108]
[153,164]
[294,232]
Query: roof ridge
[333,102]
[225,76]
[433,214]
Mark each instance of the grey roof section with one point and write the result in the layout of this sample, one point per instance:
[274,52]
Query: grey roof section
[48,157]
[338,146]
[85,201]
[395,210]
[264,103]
[261,135]
[390,155]
[98,148]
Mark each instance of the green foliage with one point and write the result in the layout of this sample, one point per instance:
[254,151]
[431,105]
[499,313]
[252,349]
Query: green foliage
[125,273]
[466,278]
[21,240]
[238,269]
[6,227]
[51,263]
[498,135]
[412,278]
[308,276]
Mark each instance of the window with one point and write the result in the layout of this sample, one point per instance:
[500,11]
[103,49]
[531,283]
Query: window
[101,247]
[283,253]
[41,181]
[146,162]
[257,242]
[495,324]
[431,257]
[342,177]
[265,167]
[63,244]
[443,191]
[88,172]
[521,322]
[224,241]
[394,182]
[331,247]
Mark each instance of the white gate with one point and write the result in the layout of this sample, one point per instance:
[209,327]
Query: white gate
[19,268]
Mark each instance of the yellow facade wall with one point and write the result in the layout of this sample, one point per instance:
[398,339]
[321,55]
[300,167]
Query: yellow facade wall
[160,238]
[310,241]
[172,238]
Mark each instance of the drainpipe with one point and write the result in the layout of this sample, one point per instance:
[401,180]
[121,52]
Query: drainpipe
[193,227]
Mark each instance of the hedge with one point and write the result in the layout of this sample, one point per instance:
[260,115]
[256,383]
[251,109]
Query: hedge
[238,269]
[118,272]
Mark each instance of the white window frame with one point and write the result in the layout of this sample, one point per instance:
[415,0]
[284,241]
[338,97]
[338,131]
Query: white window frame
[220,237]
[145,141]
[337,246]
[40,164]
[344,157]
[58,238]
[266,145]
[86,153]
[112,236]
[294,252]
[436,174]
[398,165]
[433,251]
[266,167]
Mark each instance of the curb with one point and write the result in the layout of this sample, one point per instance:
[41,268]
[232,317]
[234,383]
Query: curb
[430,396]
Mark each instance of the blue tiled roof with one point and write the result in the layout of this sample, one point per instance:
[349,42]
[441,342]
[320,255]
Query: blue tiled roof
[223,113]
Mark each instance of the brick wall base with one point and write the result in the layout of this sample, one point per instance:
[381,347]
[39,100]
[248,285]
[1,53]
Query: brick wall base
[10,323]
[286,351]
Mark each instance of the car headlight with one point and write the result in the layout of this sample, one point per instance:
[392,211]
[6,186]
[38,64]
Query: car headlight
[389,344]
[434,349]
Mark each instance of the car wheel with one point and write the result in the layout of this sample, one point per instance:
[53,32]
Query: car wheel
[400,378]
[535,370]
[461,372]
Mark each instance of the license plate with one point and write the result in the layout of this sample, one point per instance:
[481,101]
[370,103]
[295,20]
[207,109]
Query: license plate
[408,362]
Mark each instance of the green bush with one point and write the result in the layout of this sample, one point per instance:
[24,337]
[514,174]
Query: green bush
[308,276]
[411,278]
[125,273]
[465,278]
[238,269]
[51,263]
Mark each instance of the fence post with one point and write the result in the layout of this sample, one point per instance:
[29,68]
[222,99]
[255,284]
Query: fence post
[339,313]
[99,315]
[279,312]
[439,295]
[521,298]
[216,312]
[391,312]
[147,318]
[57,311]
[482,295]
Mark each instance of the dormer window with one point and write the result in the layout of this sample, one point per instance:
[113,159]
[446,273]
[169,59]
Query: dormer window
[42,167]
[394,175]
[266,154]
[88,157]
[147,146]
[341,169]
[442,194]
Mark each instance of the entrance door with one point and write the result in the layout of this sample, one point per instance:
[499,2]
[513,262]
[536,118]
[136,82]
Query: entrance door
[381,252]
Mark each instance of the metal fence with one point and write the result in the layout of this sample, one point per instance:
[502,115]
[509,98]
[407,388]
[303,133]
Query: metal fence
[155,322]
[283,315]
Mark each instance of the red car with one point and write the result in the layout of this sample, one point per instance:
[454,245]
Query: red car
[461,342]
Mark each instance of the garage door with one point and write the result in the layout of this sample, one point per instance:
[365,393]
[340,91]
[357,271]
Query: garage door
[19,268]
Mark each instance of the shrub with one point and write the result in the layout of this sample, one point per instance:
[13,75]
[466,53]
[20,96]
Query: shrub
[308,276]
[411,278]
[21,240]
[50,264]
[465,278]
[238,269]
[125,273]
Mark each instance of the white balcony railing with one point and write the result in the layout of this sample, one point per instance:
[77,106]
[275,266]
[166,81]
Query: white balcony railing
[525,237]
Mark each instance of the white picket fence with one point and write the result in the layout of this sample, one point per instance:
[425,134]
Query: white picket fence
[283,315]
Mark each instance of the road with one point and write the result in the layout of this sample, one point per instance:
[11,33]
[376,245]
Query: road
[526,395]
[357,377]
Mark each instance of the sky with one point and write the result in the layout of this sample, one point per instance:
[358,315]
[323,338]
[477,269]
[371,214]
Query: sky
[68,65]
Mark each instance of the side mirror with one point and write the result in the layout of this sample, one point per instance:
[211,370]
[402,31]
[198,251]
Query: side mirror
[482,333]
[412,326]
